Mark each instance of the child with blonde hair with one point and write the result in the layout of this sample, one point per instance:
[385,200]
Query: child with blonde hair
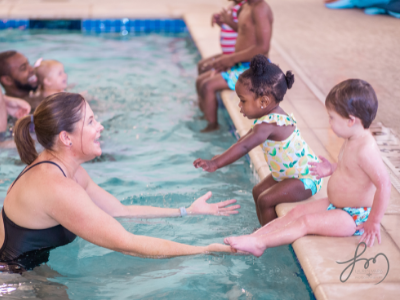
[358,190]
[51,76]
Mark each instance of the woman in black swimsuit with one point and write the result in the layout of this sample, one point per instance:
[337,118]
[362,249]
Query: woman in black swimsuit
[54,200]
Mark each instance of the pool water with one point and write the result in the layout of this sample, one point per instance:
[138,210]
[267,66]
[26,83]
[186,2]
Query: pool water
[142,91]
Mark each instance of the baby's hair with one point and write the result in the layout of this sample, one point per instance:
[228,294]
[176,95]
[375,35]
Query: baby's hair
[354,97]
[43,69]
[267,78]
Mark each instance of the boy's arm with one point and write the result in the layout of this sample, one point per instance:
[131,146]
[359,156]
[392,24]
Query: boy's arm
[260,15]
[255,137]
[371,163]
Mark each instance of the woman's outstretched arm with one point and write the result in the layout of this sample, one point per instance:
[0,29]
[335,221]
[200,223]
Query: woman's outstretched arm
[115,208]
[74,210]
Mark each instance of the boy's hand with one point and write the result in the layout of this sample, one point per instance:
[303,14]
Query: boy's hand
[216,19]
[222,63]
[321,169]
[207,165]
[371,230]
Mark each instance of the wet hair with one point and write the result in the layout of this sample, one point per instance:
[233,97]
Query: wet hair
[56,113]
[267,78]
[354,97]
[4,65]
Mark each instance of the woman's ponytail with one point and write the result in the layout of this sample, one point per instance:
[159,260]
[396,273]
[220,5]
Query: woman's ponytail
[23,140]
[56,113]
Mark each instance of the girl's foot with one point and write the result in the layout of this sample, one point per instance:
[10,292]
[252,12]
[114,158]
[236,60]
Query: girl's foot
[246,243]
[210,127]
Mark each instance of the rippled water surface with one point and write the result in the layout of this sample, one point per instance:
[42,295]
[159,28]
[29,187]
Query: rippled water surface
[142,90]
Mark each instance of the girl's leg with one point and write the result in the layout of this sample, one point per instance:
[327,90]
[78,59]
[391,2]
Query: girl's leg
[208,89]
[199,83]
[261,187]
[336,223]
[288,190]
[302,209]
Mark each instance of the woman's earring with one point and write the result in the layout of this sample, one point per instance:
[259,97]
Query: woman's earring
[262,107]
[70,144]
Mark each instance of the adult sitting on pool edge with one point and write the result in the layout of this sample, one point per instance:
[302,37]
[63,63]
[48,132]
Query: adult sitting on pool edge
[54,199]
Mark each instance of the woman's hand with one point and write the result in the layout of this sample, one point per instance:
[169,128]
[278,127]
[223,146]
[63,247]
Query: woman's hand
[17,108]
[321,169]
[371,230]
[201,207]
[207,165]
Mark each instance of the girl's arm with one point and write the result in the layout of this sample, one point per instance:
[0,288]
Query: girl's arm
[226,17]
[74,210]
[115,208]
[371,163]
[255,137]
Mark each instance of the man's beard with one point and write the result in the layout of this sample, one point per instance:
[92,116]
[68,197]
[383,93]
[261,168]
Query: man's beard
[24,87]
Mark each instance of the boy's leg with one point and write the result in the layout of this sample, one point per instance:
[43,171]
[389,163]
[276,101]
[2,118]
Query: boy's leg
[336,223]
[260,187]
[288,190]
[320,205]
[210,106]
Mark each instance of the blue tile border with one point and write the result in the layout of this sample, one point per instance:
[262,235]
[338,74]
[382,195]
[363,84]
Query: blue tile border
[14,24]
[124,26]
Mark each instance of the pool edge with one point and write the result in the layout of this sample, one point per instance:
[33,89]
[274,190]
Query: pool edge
[324,287]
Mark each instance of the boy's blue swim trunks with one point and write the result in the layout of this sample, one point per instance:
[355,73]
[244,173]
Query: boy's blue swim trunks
[359,215]
[231,76]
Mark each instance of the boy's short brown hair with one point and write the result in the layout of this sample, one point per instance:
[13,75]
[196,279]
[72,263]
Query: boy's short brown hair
[354,97]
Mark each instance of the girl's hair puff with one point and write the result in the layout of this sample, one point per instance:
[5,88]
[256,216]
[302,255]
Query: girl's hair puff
[267,78]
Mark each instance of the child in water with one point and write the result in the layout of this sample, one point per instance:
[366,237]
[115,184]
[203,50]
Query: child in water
[51,77]
[358,190]
[260,89]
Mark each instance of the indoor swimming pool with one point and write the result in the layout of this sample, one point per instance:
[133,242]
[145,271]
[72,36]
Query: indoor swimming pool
[141,88]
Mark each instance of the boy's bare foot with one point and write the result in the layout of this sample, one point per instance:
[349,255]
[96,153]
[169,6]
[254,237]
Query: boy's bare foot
[246,243]
[210,127]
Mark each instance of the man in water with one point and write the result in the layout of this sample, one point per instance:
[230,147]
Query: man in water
[18,77]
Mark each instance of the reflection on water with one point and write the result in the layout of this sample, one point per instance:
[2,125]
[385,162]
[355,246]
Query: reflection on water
[143,93]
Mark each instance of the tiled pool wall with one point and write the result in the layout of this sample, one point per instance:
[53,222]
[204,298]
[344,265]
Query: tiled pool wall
[125,25]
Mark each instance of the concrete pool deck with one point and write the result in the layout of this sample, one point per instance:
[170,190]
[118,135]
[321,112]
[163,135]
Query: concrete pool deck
[317,255]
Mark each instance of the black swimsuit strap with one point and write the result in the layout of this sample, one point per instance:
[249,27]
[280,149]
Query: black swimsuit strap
[41,162]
